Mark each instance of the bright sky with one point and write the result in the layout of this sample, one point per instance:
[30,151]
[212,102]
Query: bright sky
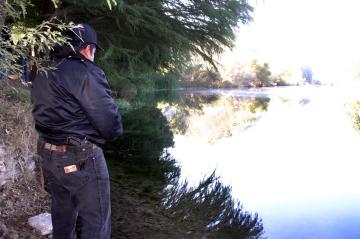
[289,34]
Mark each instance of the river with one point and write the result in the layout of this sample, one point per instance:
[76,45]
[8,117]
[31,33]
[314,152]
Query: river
[290,154]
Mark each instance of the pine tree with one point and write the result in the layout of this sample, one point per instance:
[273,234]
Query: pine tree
[22,39]
[153,36]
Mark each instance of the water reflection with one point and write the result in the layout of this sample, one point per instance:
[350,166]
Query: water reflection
[210,118]
[148,201]
[297,165]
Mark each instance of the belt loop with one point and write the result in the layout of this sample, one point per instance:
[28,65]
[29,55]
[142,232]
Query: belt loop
[40,146]
[50,154]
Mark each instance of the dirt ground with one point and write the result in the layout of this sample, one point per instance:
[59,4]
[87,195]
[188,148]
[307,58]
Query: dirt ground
[19,201]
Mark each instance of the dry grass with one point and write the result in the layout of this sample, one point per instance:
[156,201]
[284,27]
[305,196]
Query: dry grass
[21,197]
[17,134]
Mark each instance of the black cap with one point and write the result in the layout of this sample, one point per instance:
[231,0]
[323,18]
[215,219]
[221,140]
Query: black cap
[86,34]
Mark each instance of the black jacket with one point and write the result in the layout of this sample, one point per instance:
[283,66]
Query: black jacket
[74,101]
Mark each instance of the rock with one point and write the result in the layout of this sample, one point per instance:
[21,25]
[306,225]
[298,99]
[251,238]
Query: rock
[2,152]
[2,172]
[42,223]
[3,229]
[4,169]
[12,167]
[2,166]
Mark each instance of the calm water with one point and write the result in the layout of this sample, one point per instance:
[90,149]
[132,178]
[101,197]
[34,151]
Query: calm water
[291,154]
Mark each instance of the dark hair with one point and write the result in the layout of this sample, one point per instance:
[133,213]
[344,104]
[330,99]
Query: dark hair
[92,46]
[79,46]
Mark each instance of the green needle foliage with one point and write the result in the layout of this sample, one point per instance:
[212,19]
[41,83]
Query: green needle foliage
[144,37]
[22,38]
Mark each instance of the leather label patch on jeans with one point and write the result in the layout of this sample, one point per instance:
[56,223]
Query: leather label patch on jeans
[70,169]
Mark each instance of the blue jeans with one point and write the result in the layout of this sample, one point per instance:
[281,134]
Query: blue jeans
[84,193]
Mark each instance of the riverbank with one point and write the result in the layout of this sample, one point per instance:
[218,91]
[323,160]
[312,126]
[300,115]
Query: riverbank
[147,199]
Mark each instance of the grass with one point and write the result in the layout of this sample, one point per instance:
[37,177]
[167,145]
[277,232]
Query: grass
[17,133]
[21,196]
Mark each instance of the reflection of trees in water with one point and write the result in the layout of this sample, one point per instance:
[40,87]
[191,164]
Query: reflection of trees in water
[179,110]
[209,211]
[211,118]
[354,114]
[258,104]
[196,101]
[140,170]
[145,137]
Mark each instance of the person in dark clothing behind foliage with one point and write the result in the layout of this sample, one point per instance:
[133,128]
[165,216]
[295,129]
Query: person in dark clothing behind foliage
[74,115]
[5,56]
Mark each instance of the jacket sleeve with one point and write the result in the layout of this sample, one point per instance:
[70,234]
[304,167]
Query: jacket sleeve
[93,94]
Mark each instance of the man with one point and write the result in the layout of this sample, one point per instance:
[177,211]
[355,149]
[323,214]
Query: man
[74,115]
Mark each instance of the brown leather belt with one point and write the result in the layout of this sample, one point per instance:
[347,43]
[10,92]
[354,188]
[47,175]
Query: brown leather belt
[61,148]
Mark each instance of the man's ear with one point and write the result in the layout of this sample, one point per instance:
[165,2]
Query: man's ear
[86,52]
[93,50]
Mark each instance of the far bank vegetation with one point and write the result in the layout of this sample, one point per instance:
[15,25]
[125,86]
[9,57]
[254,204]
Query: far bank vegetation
[251,75]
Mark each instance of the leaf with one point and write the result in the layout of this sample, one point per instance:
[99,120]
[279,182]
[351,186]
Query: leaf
[55,2]
[109,4]
[17,36]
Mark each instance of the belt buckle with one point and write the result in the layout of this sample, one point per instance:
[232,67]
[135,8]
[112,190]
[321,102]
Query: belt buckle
[73,141]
